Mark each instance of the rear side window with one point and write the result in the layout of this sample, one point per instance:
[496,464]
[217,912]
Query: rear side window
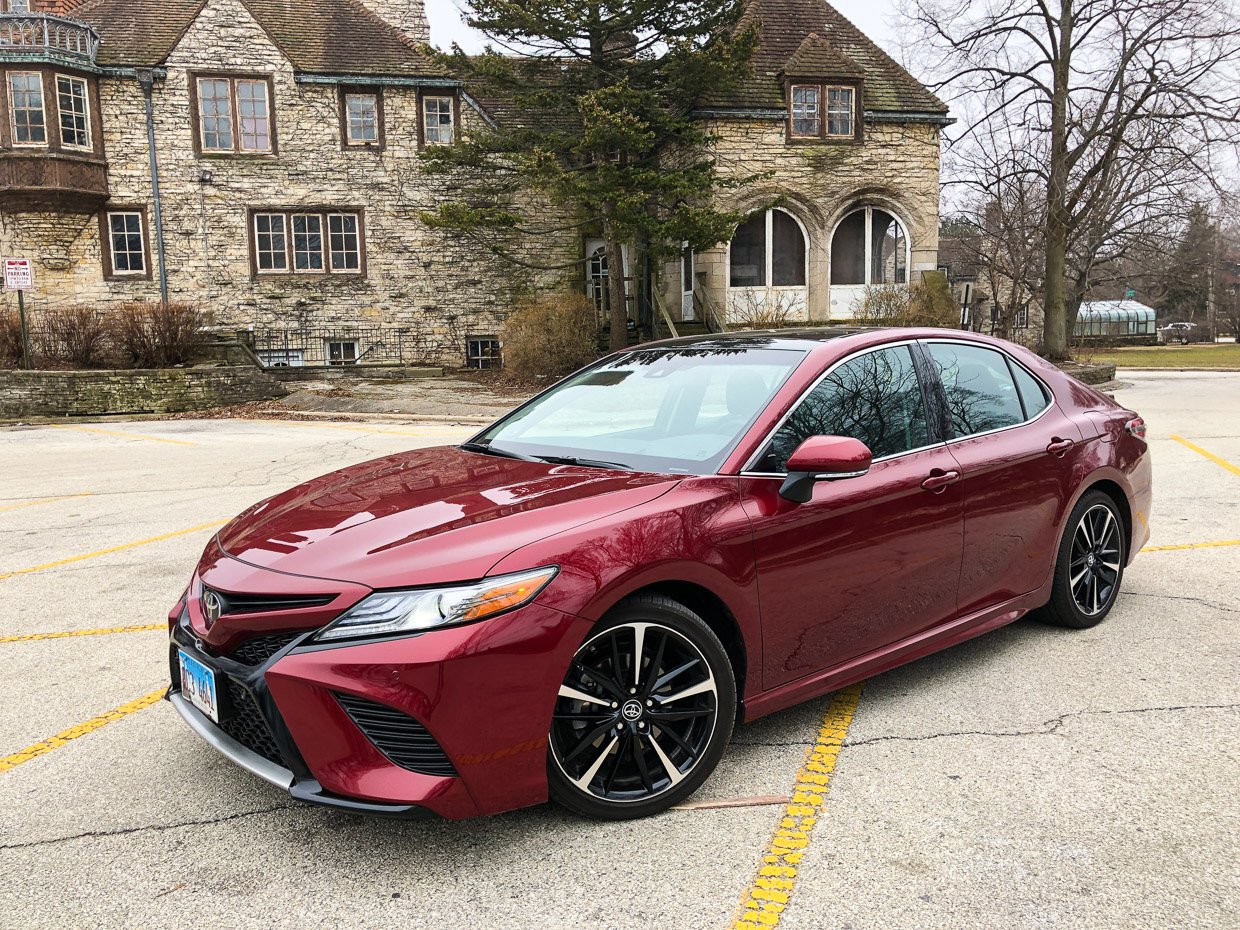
[1031,392]
[981,394]
[874,397]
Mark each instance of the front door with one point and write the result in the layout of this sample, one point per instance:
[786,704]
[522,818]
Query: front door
[868,561]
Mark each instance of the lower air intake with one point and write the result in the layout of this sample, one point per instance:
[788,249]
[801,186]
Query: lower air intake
[398,736]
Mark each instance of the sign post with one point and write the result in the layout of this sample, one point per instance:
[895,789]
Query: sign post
[19,276]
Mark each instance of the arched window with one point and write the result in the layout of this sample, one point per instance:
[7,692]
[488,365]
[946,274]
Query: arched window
[768,250]
[870,246]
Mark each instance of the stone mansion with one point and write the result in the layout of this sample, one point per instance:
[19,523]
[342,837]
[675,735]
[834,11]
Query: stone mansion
[260,158]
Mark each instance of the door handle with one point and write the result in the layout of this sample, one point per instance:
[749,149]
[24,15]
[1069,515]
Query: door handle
[1060,447]
[939,480]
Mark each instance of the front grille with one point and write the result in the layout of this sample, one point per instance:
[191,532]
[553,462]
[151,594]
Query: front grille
[246,724]
[258,650]
[232,604]
[398,736]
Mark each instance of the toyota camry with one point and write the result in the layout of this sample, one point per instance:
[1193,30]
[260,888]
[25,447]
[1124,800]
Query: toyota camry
[583,600]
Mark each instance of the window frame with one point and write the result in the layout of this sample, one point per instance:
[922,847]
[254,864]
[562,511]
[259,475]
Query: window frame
[232,78]
[105,243]
[824,88]
[329,341]
[792,114]
[12,110]
[455,109]
[930,399]
[498,357]
[941,390]
[89,145]
[290,270]
[768,257]
[379,143]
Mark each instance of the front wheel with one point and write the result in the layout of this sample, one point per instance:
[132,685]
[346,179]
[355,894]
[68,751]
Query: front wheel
[1090,565]
[644,713]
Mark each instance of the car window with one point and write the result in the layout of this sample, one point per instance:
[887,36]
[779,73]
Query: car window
[874,397]
[1031,392]
[981,394]
[664,410]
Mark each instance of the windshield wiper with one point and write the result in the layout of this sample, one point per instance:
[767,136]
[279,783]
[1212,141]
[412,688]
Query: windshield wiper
[587,463]
[487,449]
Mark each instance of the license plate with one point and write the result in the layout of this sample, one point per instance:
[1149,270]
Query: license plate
[198,683]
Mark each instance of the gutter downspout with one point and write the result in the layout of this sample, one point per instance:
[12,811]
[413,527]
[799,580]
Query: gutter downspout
[146,78]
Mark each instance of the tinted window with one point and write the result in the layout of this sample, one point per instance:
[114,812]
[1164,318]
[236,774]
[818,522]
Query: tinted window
[981,394]
[1031,392]
[874,397]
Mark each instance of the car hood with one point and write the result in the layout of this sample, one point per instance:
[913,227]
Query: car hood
[427,516]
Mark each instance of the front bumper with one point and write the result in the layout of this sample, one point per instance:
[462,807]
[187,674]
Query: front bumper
[484,692]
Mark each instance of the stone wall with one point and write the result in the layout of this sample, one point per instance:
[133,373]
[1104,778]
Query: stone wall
[95,393]
[436,285]
[895,168]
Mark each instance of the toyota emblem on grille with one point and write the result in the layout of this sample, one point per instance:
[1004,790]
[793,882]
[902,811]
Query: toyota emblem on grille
[212,606]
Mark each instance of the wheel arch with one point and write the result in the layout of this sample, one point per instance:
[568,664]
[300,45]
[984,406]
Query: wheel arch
[714,611]
[1120,498]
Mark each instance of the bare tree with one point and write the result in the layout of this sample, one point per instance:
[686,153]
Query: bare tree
[1118,109]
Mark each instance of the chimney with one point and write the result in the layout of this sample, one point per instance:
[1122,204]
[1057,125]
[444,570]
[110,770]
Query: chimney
[409,16]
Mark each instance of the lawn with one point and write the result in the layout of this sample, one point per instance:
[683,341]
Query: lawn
[1220,355]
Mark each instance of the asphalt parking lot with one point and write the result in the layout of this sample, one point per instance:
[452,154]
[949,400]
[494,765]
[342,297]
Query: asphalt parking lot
[1034,777]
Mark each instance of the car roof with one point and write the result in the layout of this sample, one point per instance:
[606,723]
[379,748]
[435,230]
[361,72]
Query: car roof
[801,338]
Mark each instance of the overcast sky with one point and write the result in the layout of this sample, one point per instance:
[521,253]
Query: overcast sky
[872,16]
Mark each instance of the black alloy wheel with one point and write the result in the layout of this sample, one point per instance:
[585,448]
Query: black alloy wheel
[1090,567]
[644,713]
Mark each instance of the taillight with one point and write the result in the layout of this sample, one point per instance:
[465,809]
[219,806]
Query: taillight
[1136,428]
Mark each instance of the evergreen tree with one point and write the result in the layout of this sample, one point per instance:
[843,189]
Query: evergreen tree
[598,99]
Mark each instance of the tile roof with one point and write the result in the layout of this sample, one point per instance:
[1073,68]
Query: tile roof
[317,36]
[819,58]
[787,26]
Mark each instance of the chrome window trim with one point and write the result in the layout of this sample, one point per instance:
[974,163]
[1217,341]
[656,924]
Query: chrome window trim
[748,472]
[997,429]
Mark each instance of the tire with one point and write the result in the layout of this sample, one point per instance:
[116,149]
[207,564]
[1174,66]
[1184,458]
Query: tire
[614,752]
[1092,554]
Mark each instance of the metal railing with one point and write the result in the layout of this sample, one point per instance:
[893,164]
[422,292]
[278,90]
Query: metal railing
[42,32]
[340,345]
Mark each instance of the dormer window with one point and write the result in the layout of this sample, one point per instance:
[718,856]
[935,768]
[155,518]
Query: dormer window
[806,110]
[822,111]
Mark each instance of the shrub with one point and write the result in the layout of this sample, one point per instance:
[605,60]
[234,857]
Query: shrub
[10,340]
[77,336]
[155,335]
[550,335]
[765,312]
[928,303]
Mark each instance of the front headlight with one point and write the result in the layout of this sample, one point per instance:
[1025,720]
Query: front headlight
[388,612]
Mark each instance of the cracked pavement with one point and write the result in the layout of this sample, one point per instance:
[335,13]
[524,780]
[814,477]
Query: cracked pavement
[1033,777]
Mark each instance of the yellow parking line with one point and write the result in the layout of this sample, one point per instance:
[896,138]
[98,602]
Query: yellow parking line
[768,895]
[46,500]
[1210,455]
[110,549]
[66,736]
[110,432]
[1203,545]
[31,637]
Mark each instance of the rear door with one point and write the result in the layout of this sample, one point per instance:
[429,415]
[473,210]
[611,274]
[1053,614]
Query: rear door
[1015,451]
[869,560]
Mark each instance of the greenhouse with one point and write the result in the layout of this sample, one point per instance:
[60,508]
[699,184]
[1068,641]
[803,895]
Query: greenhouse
[1115,319]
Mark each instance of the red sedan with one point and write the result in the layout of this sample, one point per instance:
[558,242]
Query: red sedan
[583,600]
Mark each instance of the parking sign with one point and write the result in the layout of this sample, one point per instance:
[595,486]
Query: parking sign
[18,274]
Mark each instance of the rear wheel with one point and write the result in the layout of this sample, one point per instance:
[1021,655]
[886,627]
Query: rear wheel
[644,713]
[1090,565]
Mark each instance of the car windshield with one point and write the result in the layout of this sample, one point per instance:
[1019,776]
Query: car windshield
[679,409]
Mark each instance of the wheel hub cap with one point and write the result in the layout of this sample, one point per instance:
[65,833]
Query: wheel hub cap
[1095,560]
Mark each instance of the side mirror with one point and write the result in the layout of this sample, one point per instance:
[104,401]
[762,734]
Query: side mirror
[824,458]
